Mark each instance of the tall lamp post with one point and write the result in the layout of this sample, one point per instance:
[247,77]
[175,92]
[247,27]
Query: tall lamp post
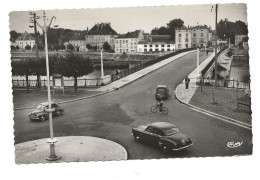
[198,60]
[51,141]
[216,46]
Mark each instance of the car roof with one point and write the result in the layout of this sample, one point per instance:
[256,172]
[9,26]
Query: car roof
[161,86]
[46,103]
[163,125]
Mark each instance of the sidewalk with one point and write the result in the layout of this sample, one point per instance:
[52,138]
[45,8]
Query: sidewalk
[70,149]
[77,148]
[187,95]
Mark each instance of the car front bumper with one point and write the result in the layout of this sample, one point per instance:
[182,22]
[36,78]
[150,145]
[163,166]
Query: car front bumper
[183,147]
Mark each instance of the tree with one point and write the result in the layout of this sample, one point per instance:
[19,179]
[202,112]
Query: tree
[73,65]
[170,29]
[12,48]
[227,29]
[28,47]
[17,47]
[173,24]
[89,46]
[22,68]
[106,46]
[13,36]
[70,47]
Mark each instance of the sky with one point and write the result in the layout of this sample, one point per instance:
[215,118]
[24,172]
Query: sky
[128,19]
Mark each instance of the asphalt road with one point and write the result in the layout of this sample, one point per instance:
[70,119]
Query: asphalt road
[112,116]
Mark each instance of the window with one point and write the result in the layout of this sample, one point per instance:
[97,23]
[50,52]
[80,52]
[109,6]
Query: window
[145,50]
[179,35]
[179,39]
[168,45]
[186,34]
[201,34]
[194,34]
[162,45]
[179,45]
[126,41]
[186,40]
[156,45]
[145,45]
[151,45]
[168,49]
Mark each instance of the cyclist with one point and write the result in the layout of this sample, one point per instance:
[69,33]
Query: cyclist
[159,101]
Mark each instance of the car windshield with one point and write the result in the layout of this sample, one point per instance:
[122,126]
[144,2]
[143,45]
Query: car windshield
[40,107]
[160,90]
[171,131]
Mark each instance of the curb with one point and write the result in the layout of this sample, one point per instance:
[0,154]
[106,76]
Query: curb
[68,101]
[223,118]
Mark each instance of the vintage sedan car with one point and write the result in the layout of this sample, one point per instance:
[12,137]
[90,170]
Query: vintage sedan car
[41,114]
[163,91]
[163,134]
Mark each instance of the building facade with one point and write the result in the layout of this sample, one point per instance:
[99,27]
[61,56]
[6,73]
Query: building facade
[239,38]
[128,42]
[24,40]
[156,43]
[101,33]
[78,42]
[188,37]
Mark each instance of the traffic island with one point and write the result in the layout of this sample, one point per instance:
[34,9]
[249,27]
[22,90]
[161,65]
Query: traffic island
[70,149]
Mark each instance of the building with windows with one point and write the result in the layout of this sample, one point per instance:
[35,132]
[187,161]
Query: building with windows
[26,39]
[128,42]
[239,38]
[188,37]
[156,43]
[101,33]
[78,41]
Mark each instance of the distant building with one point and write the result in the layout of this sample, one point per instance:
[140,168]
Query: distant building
[24,40]
[78,41]
[156,43]
[239,38]
[128,42]
[188,37]
[101,33]
[183,38]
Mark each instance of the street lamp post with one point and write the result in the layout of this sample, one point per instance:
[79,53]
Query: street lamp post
[198,60]
[52,140]
[102,70]
[216,48]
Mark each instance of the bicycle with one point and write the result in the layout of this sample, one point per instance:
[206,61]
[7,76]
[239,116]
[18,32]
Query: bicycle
[157,107]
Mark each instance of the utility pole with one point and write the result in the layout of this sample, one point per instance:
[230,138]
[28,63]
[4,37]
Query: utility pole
[216,48]
[33,20]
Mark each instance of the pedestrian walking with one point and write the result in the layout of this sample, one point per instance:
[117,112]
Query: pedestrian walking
[117,74]
[187,80]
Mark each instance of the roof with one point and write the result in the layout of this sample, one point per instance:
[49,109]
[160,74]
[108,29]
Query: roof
[102,29]
[193,27]
[163,125]
[133,34]
[78,36]
[162,86]
[25,37]
[157,39]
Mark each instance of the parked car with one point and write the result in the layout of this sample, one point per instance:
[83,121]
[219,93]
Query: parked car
[163,134]
[163,91]
[41,114]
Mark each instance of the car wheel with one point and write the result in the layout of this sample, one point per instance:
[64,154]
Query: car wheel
[137,138]
[164,149]
[59,113]
[43,118]
[153,109]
